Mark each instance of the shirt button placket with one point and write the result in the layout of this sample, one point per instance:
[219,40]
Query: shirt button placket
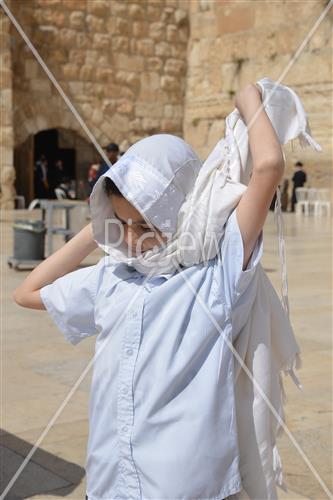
[130,486]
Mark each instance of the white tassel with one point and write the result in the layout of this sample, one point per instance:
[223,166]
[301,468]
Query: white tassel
[282,252]
[277,467]
[305,139]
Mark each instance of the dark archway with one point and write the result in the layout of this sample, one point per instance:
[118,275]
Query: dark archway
[55,144]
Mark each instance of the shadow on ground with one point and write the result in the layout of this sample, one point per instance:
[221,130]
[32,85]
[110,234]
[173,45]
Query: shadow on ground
[44,474]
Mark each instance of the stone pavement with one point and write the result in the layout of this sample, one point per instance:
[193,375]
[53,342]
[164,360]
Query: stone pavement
[40,368]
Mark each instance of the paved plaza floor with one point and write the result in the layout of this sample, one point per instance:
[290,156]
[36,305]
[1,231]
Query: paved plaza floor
[40,368]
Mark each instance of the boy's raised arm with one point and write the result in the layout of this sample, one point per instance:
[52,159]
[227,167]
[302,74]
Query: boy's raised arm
[268,169]
[63,261]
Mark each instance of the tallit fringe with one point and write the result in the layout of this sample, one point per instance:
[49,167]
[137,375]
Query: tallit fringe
[288,368]
[294,362]
[277,467]
[305,139]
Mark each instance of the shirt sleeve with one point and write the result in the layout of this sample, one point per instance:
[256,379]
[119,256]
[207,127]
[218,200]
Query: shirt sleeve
[233,280]
[70,302]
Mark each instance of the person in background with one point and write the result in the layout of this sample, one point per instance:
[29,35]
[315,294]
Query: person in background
[92,176]
[41,182]
[112,152]
[64,191]
[284,195]
[56,176]
[299,179]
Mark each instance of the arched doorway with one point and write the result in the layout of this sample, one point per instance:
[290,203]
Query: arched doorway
[66,145]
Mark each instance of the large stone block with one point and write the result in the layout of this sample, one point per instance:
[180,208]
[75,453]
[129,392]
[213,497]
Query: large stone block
[42,86]
[95,24]
[163,49]
[145,47]
[128,62]
[153,12]
[98,7]
[123,27]
[140,29]
[77,20]
[101,41]
[125,106]
[136,11]
[71,71]
[31,68]
[149,86]
[76,56]
[157,31]
[120,43]
[170,83]
[235,17]
[181,17]
[6,136]
[154,64]
[104,74]
[175,66]
[172,33]
[129,78]
[67,38]
[173,111]
[148,109]
[151,125]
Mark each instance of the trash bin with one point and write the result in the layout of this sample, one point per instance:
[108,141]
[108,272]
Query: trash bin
[29,239]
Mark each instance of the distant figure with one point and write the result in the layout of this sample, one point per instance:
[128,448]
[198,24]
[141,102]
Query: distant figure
[63,190]
[284,195]
[298,179]
[56,176]
[112,152]
[41,183]
[93,175]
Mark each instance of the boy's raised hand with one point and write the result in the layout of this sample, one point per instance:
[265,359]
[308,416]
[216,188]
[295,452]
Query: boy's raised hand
[63,261]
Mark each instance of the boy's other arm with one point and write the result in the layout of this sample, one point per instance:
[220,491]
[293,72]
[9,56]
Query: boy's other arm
[268,169]
[63,261]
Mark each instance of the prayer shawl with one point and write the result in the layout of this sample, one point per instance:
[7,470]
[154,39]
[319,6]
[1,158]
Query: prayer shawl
[190,202]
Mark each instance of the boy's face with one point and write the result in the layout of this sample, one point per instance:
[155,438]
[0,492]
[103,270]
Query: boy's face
[138,235]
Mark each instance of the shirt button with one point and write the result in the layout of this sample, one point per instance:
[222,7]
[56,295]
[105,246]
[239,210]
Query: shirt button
[125,428]
[129,352]
[125,390]
[134,314]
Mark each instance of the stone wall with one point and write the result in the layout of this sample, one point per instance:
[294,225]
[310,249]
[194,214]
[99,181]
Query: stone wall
[6,116]
[122,64]
[140,67]
[234,43]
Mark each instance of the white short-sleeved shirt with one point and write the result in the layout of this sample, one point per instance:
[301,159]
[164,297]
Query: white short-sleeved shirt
[162,421]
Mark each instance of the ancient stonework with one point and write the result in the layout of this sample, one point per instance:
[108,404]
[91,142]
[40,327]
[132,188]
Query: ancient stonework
[235,43]
[7,172]
[135,68]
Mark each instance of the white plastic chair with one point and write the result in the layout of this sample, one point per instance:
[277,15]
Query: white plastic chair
[323,202]
[60,194]
[302,198]
[34,204]
[312,199]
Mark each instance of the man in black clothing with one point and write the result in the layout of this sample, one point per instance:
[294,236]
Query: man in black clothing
[298,179]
